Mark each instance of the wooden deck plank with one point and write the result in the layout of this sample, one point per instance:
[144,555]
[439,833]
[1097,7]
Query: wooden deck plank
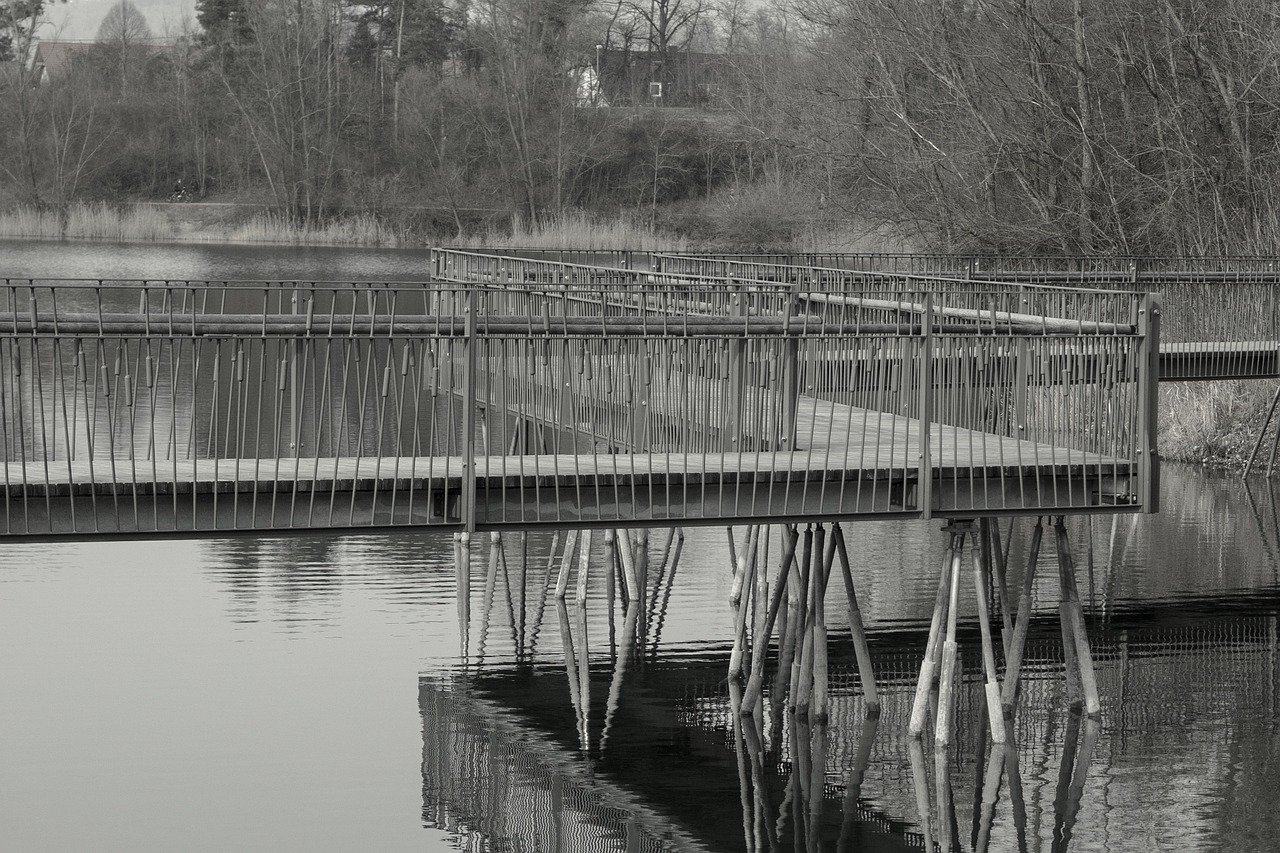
[843,442]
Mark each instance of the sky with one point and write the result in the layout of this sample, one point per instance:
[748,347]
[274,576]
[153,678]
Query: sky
[79,19]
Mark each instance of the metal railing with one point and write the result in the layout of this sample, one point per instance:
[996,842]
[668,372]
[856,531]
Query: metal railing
[1221,315]
[133,408]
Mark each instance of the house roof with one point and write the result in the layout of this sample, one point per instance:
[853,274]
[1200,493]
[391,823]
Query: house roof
[54,58]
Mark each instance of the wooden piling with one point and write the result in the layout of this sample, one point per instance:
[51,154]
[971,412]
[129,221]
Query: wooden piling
[628,566]
[523,610]
[610,586]
[1075,613]
[818,705]
[623,656]
[546,584]
[490,587]
[994,713]
[1070,662]
[1018,643]
[858,772]
[755,685]
[464,590]
[733,554]
[566,562]
[998,563]
[789,625]
[942,792]
[571,668]
[950,653]
[799,635]
[743,579]
[584,672]
[928,666]
[584,565]
[990,794]
[760,599]
[920,782]
[802,686]
[866,673]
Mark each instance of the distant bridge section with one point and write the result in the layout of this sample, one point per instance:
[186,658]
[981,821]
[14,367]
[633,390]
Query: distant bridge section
[1220,316]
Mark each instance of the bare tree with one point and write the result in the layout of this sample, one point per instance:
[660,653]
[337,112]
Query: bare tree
[124,35]
[20,101]
[292,92]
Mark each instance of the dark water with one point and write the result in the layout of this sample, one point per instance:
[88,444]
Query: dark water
[318,694]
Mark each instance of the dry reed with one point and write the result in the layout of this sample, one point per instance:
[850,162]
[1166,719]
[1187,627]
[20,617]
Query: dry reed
[576,231]
[87,221]
[1212,422]
[360,230]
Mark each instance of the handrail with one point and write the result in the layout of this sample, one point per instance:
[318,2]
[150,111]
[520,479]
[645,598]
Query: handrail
[454,326]
[1012,318]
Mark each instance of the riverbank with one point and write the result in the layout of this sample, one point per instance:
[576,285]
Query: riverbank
[213,222]
[1213,423]
[737,228]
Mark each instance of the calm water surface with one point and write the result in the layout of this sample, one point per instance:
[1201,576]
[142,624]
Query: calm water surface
[320,694]
[209,261]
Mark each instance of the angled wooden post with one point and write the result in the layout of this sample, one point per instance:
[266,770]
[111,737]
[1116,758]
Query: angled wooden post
[866,672]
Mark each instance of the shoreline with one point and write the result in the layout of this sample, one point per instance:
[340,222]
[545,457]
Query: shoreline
[205,222]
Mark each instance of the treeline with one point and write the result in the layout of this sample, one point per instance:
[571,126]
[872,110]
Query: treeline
[1055,125]
[321,108]
[1061,126]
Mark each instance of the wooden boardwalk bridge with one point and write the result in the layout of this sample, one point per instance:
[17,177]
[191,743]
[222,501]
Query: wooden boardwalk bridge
[515,393]
[511,393]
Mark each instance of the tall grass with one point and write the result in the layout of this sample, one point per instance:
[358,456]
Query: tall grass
[1212,422]
[87,221]
[360,230]
[575,231]
[143,223]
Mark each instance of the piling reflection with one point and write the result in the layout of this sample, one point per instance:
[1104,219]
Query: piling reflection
[1186,655]
[614,748]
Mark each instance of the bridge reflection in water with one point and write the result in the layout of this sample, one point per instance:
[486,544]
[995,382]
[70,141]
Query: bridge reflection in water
[665,761]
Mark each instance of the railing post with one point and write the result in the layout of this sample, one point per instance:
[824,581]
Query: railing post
[1021,382]
[790,379]
[295,392]
[924,475]
[1148,402]
[737,372]
[469,403]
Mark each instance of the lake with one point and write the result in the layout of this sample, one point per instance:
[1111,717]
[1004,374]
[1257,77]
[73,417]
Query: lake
[320,693]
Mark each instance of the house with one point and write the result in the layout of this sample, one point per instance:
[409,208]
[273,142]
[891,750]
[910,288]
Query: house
[680,78]
[51,59]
